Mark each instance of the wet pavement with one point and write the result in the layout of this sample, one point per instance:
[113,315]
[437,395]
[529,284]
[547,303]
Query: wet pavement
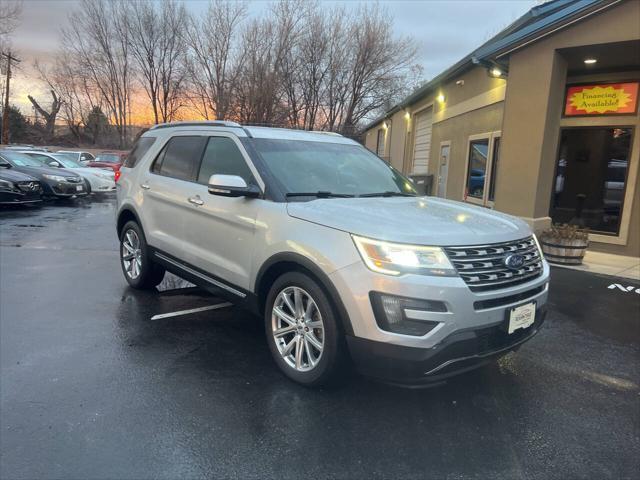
[91,387]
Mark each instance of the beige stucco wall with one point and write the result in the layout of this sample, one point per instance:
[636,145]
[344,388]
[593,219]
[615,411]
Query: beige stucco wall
[457,130]
[532,119]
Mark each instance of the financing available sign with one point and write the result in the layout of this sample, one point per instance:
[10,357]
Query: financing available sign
[602,99]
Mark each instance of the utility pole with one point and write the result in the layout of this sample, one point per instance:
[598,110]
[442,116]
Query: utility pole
[5,111]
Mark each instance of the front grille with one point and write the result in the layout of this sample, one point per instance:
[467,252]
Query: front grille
[74,179]
[29,186]
[483,267]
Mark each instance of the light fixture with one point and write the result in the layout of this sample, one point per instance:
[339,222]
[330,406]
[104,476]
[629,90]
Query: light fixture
[496,72]
[590,61]
[460,83]
[440,98]
[385,126]
[407,115]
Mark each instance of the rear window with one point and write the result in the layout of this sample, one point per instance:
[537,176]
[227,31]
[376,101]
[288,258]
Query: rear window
[180,157]
[139,149]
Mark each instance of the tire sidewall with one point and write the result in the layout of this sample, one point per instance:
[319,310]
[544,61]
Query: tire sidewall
[328,364]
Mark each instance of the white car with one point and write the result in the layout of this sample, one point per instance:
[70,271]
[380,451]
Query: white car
[99,181]
[332,247]
[81,157]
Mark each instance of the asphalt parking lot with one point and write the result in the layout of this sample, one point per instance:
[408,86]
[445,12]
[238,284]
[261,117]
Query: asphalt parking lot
[92,387]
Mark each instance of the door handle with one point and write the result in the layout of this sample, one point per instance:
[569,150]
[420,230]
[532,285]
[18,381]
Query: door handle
[196,200]
[145,186]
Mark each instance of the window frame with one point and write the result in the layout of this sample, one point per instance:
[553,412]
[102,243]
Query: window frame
[240,148]
[164,141]
[484,201]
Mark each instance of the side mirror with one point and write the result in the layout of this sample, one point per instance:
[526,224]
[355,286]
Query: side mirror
[55,164]
[5,165]
[232,186]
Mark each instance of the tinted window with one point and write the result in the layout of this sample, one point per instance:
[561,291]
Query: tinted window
[139,149]
[181,157]
[478,151]
[223,157]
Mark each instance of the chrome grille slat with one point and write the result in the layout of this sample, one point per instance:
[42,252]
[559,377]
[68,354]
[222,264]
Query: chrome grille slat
[482,266]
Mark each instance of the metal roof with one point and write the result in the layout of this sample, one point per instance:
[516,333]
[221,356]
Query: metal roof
[538,21]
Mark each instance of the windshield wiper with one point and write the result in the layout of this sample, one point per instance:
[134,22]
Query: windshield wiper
[387,194]
[320,194]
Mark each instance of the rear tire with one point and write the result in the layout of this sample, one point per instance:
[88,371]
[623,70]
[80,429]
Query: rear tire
[135,259]
[303,332]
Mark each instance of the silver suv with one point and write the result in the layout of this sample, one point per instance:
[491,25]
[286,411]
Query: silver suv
[333,248]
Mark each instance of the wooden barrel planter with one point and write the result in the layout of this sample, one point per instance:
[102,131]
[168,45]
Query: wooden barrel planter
[564,251]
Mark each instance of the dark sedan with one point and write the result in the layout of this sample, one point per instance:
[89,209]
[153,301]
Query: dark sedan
[56,183]
[18,188]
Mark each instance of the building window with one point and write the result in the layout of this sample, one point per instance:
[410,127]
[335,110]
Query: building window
[591,177]
[494,168]
[380,143]
[477,168]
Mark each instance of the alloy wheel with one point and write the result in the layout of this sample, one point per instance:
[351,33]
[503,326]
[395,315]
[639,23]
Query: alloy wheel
[131,254]
[298,329]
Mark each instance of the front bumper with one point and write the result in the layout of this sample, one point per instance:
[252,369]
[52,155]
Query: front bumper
[99,185]
[449,348]
[460,352]
[19,198]
[60,189]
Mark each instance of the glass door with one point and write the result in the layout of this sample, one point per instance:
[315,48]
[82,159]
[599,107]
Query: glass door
[482,168]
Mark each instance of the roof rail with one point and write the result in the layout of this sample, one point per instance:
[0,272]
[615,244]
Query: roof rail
[324,132]
[203,123]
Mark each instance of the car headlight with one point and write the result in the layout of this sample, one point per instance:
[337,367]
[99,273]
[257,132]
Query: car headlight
[398,258]
[55,178]
[5,184]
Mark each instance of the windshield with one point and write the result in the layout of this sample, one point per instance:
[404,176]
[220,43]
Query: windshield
[66,161]
[108,158]
[306,167]
[20,159]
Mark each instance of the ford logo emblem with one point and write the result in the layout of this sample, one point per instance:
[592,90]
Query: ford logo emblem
[514,262]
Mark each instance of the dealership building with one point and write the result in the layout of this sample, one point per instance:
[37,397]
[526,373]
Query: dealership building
[540,122]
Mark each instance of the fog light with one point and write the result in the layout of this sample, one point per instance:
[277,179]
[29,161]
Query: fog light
[389,311]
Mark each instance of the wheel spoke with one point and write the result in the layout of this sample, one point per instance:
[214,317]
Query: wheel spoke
[313,341]
[288,303]
[297,300]
[309,350]
[311,305]
[314,324]
[128,256]
[283,331]
[299,349]
[288,347]
[129,236]
[128,247]
[283,316]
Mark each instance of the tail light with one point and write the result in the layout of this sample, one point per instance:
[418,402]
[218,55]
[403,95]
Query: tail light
[117,175]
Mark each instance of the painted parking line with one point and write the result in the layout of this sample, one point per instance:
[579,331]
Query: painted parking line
[623,288]
[191,310]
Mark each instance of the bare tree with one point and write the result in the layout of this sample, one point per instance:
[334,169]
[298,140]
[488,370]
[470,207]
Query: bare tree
[214,57]
[99,39]
[10,12]
[49,116]
[159,48]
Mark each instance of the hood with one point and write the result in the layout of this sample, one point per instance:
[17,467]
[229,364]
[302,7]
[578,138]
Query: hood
[39,171]
[92,172]
[415,220]
[13,175]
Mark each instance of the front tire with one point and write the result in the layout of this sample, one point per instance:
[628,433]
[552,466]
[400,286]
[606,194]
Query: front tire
[302,331]
[138,268]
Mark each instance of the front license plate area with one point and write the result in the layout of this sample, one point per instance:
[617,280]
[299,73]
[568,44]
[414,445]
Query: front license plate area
[521,316]
[78,188]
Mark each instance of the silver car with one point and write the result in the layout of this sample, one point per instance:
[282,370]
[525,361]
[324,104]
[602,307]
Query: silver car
[333,248]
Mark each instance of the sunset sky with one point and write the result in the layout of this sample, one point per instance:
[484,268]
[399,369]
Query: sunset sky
[444,31]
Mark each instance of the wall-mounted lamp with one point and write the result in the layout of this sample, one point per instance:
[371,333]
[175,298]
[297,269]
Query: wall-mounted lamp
[384,125]
[496,72]
[460,83]
[590,61]
[440,98]
[407,116]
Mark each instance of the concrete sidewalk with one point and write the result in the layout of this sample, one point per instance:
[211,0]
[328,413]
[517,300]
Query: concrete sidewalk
[608,264]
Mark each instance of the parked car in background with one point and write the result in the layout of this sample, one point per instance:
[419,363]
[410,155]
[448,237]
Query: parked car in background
[56,182]
[80,157]
[18,188]
[97,180]
[112,160]
[333,248]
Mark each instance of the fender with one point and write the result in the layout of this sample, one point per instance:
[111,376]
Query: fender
[320,276]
